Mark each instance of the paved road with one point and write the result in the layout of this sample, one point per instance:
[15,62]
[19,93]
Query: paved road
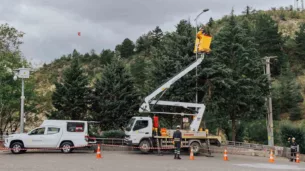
[125,161]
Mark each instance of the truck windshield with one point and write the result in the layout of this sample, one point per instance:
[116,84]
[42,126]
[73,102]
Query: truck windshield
[130,124]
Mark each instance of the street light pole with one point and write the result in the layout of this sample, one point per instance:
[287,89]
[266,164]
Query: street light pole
[22,73]
[22,108]
[203,11]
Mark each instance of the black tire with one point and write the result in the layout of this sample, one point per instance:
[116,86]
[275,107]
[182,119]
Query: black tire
[66,147]
[23,151]
[16,148]
[145,146]
[196,147]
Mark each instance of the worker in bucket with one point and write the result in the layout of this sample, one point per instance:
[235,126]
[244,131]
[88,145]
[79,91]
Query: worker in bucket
[203,41]
[293,148]
[177,137]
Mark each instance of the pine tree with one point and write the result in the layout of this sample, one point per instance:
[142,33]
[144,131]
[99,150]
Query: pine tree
[211,22]
[174,54]
[115,100]
[139,72]
[157,36]
[70,98]
[287,96]
[234,82]
[269,41]
[300,44]
[143,44]
[106,56]
[127,48]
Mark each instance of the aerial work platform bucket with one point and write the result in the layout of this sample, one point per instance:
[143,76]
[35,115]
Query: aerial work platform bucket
[203,43]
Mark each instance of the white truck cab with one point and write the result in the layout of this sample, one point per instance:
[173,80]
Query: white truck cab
[51,134]
[138,128]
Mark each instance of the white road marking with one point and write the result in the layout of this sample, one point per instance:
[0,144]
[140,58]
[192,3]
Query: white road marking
[272,166]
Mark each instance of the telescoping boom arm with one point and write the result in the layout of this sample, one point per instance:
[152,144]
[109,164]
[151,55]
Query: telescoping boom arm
[145,107]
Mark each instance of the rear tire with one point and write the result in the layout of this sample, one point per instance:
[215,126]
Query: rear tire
[66,147]
[16,148]
[145,146]
[196,147]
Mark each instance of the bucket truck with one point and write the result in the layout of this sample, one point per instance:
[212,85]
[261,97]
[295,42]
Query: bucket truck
[140,130]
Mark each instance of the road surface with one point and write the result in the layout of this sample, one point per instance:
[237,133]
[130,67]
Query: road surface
[125,161]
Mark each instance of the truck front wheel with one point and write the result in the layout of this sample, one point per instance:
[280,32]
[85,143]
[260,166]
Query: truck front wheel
[17,148]
[144,146]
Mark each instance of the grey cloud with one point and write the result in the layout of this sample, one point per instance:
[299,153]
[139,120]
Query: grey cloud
[51,26]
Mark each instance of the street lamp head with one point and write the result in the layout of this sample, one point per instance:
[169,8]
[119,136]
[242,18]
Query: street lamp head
[205,10]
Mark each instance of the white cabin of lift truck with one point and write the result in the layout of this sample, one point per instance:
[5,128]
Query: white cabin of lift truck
[138,128]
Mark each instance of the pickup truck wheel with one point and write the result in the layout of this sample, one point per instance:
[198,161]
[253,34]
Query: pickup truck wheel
[196,147]
[144,146]
[16,148]
[66,147]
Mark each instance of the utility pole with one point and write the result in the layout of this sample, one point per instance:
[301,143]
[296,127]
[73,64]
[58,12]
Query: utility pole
[302,3]
[269,101]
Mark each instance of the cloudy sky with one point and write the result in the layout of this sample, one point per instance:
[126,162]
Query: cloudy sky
[51,26]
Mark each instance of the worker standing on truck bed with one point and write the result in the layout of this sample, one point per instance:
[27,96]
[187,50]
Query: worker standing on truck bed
[177,137]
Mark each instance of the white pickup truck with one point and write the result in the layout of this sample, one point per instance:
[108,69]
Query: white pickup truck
[62,134]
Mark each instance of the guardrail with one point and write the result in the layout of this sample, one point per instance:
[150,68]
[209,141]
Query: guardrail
[246,145]
[111,141]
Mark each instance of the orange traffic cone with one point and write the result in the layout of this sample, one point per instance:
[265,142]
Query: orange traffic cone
[225,155]
[298,158]
[192,154]
[98,152]
[271,158]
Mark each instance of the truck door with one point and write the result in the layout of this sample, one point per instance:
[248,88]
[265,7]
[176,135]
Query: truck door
[36,138]
[52,136]
[141,130]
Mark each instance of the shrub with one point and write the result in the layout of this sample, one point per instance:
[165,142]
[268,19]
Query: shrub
[113,134]
[289,130]
[256,132]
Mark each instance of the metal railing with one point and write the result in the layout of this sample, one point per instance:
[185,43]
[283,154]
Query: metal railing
[246,145]
[111,141]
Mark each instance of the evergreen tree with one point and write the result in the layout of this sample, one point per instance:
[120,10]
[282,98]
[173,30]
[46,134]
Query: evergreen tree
[175,53]
[211,22]
[248,11]
[269,41]
[300,44]
[106,56]
[143,44]
[127,48]
[157,36]
[139,72]
[234,82]
[115,100]
[287,96]
[70,98]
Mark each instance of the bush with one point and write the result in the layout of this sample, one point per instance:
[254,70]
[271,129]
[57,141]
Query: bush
[113,134]
[256,132]
[289,130]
